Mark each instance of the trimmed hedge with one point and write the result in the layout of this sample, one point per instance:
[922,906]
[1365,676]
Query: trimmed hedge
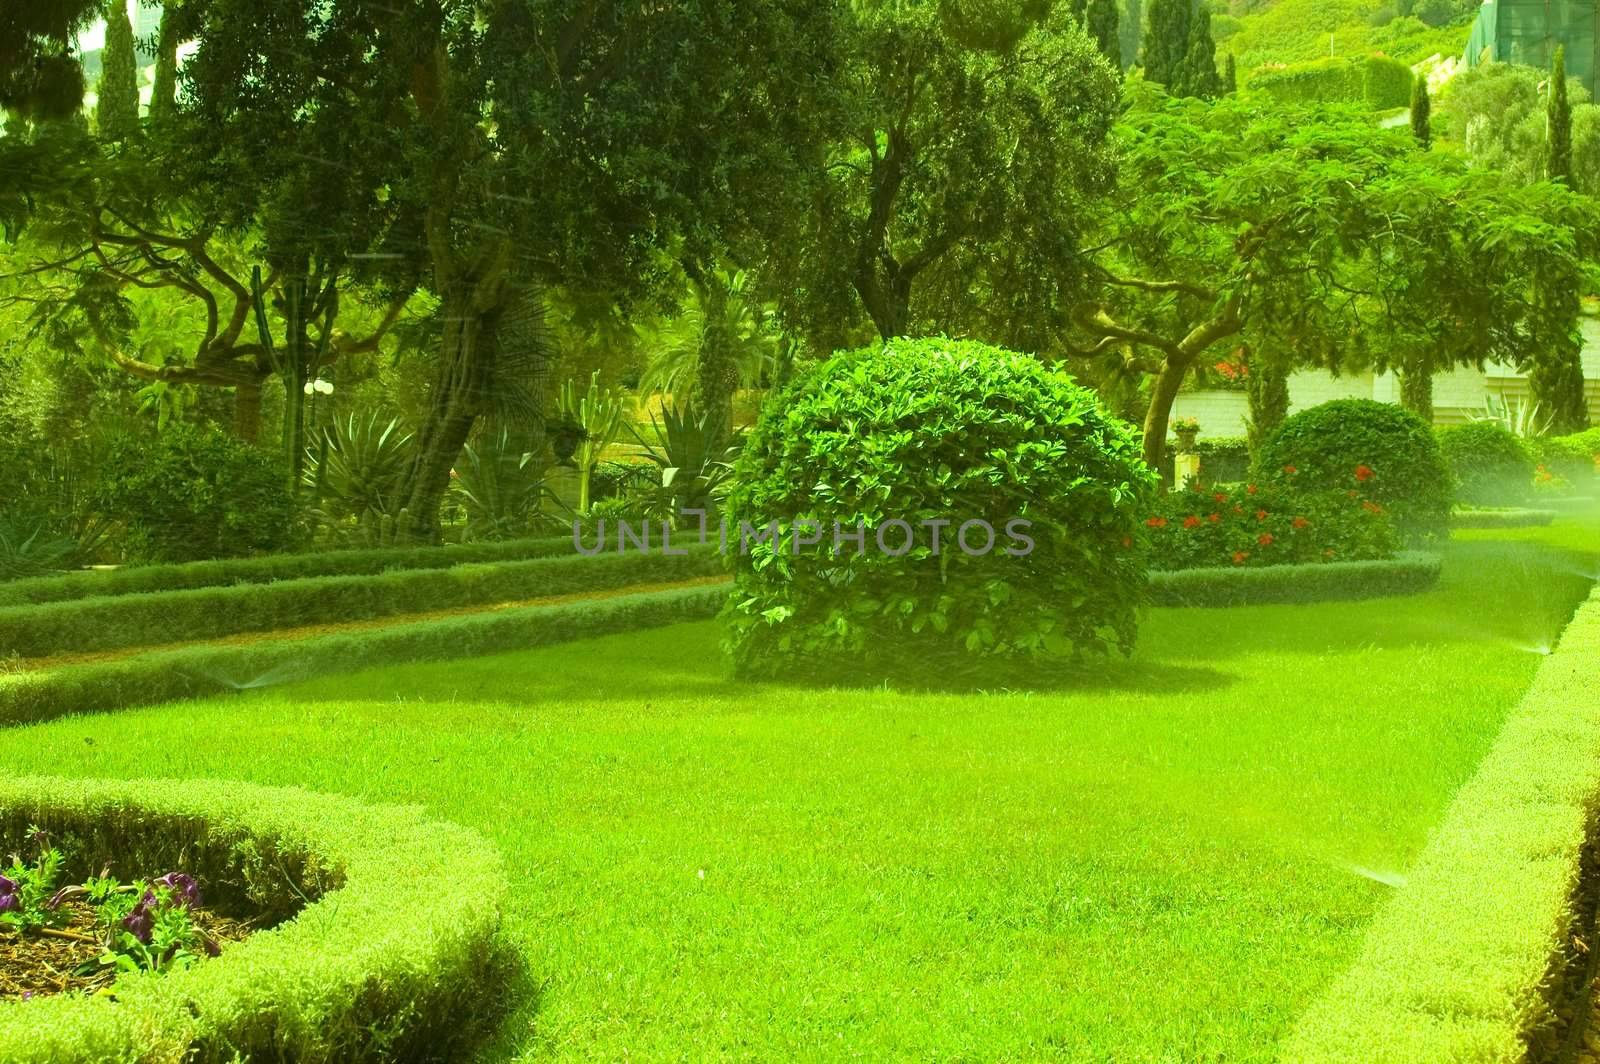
[1379,82]
[394,958]
[222,572]
[1508,518]
[1410,573]
[1454,966]
[175,616]
[191,672]
[1492,465]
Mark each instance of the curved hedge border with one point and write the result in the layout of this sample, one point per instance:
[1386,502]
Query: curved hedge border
[163,675]
[203,613]
[1454,967]
[391,962]
[1408,573]
[223,572]
[1510,518]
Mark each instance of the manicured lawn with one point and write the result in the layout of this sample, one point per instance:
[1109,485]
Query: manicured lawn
[1167,862]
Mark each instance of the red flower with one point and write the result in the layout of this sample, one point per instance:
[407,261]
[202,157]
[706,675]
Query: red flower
[1157,522]
[1238,509]
[1261,515]
[1364,473]
[1251,489]
[1301,522]
[1543,475]
[1265,539]
[1239,556]
[1291,470]
[1127,541]
[1353,493]
[1191,521]
[1215,518]
[1371,507]
[1223,496]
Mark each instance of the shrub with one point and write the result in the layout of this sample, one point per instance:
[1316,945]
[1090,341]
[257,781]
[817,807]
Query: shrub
[1255,526]
[1385,83]
[1456,964]
[220,572]
[1409,573]
[898,439]
[1492,466]
[190,672]
[171,616]
[393,957]
[197,493]
[1384,453]
[1377,81]
[1507,518]
[1574,458]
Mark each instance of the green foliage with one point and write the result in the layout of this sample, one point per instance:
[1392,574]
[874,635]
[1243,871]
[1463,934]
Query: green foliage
[1409,573]
[1502,518]
[189,672]
[598,414]
[501,486]
[1421,113]
[1179,51]
[1456,964]
[173,616]
[194,493]
[1374,450]
[1254,526]
[1574,458]
[694,453]
[356,473]
[1558,122]
[1102,20]
[673,344]
[1379,82]
[28,887]
[389,957]
[116,109]
[1498,113]
[39,76]
[151,578]
[923,431]
[1492,466]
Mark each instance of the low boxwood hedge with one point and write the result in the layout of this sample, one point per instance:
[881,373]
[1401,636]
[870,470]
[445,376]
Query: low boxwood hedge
[1408,573]
[222,572]
[394,957]
[164,675]
[1456,965]
[1506,518]
[174,616]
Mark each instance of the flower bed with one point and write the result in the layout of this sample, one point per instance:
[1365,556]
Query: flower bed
[393,954]
[1254,526]
[1457,965]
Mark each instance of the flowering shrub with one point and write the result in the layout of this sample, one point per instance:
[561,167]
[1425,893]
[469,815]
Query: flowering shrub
[1383,453]
[1254,525]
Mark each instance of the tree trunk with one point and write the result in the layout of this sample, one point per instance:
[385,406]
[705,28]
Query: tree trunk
[1267,390]
[1416,389]
[716,375]
[247,411]
[888,300]
[1159,415]
[458,396]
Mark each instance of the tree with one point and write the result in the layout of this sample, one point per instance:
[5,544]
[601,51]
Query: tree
[1309,233]
[520,145]
[1421,113]
[1200,67]
[164,91]
[1101,20]
[1230,76]
[39,76]
[1166,44]
[1558,137]
[1129,30]
[116,110]
[959,167]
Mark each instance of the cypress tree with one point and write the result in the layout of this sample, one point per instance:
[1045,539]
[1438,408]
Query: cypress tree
[1230,76]
[1166,45]
[117,110]
[165,91]
[1421,113]
[1559,122]
[1200,61]
[1130,29]
[1101,20]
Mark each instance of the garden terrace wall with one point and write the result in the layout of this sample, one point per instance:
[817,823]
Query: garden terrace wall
[1408,573]
[219,573]
[146,619]
[160,676]
[1455,965]
[395,957]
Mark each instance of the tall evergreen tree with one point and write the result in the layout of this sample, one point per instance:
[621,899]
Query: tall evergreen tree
[1130,28]
[1421,113]
[1200,77]
[1230,76]
[164,93]
[117,110]
[1166,44]
[1558,165]
[1102,22]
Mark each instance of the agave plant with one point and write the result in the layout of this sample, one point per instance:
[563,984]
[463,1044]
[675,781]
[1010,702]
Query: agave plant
[694,454]
[32,549]
[356,473]
[500,486]
[1518,416]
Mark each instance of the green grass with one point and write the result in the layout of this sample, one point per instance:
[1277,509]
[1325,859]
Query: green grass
[1163,863]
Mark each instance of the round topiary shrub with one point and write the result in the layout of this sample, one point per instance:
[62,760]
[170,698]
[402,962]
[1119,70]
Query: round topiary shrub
[1370,450]
[932,503]
[388,950]
[1491,465]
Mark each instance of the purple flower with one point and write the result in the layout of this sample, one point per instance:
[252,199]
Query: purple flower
[9,902]
[185,891]
[142,919]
